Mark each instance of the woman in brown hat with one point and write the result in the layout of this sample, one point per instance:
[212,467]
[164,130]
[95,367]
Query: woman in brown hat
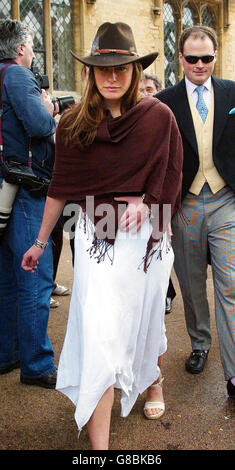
[120,157]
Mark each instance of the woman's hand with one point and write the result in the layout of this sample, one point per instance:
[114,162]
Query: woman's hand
[30,258]
[135,214]
[52,211]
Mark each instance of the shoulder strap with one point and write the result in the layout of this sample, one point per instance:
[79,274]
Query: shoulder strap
[2,70]
[1,107]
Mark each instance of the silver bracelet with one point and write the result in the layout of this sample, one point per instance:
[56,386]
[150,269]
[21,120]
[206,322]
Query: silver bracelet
[40,244]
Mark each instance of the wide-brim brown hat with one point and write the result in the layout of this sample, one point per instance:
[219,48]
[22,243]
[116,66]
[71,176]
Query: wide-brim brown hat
[114,45]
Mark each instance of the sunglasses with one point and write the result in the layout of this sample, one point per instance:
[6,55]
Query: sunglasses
[193,59]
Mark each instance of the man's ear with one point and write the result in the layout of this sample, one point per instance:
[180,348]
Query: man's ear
[21,49]
[181,58]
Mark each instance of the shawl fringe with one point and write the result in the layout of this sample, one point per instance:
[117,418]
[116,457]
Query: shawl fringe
[156,250]
[101,248]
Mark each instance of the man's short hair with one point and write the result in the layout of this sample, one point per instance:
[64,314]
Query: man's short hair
[198,32]
[157,82]
[12,34]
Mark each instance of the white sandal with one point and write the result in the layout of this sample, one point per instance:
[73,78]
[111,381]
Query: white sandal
[155,404]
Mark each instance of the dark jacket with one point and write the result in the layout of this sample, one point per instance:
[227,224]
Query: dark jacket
[25,117]
[223,135]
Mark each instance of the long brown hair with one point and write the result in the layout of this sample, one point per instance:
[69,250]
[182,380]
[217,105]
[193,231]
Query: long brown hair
[79,124]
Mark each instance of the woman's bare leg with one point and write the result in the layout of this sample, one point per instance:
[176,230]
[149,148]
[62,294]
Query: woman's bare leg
[99,424]
[160,361]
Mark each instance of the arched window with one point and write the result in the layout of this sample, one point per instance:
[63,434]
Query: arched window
[208,17]
[31,13]
[170,46]
[178,15]
[188,17]
[5,9]
[62,43]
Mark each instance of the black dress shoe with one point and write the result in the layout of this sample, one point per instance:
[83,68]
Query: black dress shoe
[9,368]
[47,381]
[168,305]
[231,389]
[196,361]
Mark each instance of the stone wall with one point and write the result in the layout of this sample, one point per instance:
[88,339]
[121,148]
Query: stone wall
[228,46]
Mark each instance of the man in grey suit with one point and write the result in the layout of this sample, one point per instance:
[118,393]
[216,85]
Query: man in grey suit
[205,225]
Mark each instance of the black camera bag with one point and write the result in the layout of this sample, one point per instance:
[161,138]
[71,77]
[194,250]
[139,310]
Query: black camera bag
[16,173]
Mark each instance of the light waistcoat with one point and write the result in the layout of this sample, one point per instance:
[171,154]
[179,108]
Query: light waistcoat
[207,171]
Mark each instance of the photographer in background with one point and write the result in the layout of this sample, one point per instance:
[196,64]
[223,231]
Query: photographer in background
[27,128]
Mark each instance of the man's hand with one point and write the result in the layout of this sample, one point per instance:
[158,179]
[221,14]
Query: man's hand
[56,108]
[47,101]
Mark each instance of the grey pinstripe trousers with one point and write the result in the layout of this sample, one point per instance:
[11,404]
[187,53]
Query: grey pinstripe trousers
[207,222]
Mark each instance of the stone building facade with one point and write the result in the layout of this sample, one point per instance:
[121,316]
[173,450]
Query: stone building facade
[62,25]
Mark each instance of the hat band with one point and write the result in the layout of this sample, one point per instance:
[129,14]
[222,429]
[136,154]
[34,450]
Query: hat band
[116,51]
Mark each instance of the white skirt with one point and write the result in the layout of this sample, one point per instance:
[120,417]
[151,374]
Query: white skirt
[116,329]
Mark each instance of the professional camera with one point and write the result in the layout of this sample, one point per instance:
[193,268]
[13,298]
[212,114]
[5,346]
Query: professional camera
[43,82]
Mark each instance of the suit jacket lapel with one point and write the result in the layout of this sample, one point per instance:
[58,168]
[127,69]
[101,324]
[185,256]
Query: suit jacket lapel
[183,114]
[184,117]
[222,108]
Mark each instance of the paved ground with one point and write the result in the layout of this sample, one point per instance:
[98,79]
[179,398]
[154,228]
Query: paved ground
[199,416]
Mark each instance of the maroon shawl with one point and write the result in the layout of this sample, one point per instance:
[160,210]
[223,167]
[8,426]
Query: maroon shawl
[137,153]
